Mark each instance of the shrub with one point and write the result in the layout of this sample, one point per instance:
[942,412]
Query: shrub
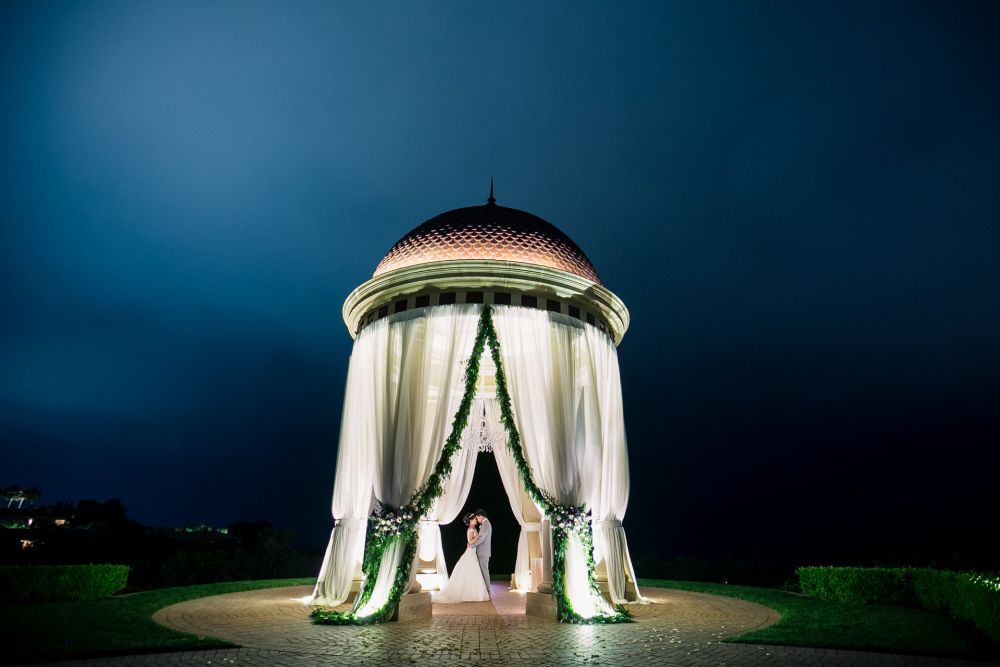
[966,596]
[52,583]
[963,595]
[864,585]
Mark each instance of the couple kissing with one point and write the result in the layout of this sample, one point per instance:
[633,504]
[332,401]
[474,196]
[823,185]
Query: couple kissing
[470,580]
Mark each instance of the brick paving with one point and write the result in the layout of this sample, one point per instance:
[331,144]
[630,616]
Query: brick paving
[680,629]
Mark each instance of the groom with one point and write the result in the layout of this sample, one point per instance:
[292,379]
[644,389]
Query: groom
[482,544]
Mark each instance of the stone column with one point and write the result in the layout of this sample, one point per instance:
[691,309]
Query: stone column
[546,539]
[542,603]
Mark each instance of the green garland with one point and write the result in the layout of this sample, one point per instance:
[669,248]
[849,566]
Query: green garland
[387,525]
[562,518]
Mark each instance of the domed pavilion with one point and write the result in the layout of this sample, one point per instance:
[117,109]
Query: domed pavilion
[484,330]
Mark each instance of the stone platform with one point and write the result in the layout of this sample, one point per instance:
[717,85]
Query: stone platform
[414,607]
[680,628]
[542,605]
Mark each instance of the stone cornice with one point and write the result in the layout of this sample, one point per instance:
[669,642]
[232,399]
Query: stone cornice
[479,274]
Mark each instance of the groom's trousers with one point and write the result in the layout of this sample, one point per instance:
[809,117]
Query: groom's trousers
[484,565]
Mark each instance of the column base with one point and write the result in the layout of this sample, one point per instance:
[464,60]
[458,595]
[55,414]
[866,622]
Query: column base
[414,607]
[630,593]
[542,605]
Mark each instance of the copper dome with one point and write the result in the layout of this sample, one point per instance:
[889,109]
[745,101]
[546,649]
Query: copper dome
[489,232]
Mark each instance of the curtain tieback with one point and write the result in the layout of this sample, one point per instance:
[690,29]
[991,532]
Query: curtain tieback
[609,523]
[531,526]
[351,523]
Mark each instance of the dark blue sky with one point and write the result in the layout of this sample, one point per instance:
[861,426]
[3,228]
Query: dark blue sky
[798,202]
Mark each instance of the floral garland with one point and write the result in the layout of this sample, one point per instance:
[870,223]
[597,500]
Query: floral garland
[390,523]
[387,525]
[563,518]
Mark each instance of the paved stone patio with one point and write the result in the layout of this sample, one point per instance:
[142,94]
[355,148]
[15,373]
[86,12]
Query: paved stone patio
[680,628]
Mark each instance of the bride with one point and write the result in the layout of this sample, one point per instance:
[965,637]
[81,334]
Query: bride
[466,583]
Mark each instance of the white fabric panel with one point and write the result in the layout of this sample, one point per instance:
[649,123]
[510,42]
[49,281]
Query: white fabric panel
[611,500]
[577,583]
[611,545]
[352,489]
[565,389]
[419,384]
[456,489]
[546,359]
[391,558]
[405,381]
[523,507]
[419,365]
[547,364]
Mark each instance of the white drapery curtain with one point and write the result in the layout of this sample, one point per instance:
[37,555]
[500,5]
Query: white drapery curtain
[521,505]
[611,500]
[405,382]
[445,510]
[419,383]
[484,433]
[561,381]
[352,488]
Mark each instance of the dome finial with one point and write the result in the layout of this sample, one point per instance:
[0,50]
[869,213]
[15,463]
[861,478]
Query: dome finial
[491,199]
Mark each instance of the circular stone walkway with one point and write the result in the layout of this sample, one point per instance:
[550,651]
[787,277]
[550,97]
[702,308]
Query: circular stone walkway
[679,628]
[272,619]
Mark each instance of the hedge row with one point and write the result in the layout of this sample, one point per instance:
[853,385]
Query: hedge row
[52,583]
[864,585]
[963,595]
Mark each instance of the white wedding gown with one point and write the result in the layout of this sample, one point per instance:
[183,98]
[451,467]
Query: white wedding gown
[466,583]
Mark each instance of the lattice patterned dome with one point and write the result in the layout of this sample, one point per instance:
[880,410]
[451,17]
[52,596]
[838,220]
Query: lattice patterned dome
[489,232]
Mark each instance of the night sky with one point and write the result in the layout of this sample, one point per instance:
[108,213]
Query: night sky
[798,202]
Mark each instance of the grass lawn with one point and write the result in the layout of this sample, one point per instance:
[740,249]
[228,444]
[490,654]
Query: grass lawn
[68,630]
[809,622]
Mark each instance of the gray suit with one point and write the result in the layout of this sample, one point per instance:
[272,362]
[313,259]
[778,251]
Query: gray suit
[483,550]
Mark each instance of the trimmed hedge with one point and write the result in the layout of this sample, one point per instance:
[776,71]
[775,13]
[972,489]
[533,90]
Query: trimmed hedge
[57,583]
[863,585]
[966,596]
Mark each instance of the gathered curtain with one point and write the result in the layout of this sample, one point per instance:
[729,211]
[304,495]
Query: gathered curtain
[405,383]
[525,510]
[419,382]
[352,487]
[549,377]
[483,430]
[404,386]
[566,397]
[611,500]
[445,510]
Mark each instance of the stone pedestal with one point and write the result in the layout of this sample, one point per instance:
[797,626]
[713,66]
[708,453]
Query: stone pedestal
[414,607]
[542,605]
[545,536]
[630,592]
[355,589]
